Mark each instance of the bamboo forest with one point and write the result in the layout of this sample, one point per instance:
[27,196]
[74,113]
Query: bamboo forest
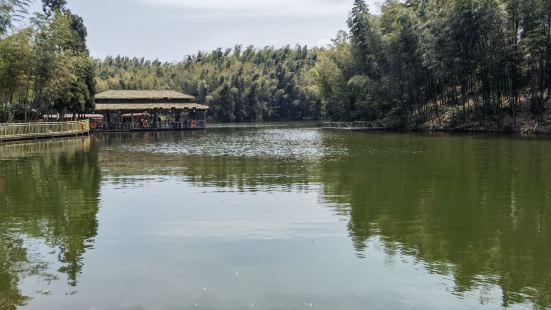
[275,154]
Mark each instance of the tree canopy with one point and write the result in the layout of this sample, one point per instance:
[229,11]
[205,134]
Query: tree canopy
[44,67]
[418,64]
[441,64]
[239,84]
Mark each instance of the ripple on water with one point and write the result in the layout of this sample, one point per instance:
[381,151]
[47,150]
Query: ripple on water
[281,143]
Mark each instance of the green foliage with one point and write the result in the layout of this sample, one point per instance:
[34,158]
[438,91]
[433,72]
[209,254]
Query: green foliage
[490,59]
[239,85]
[46,67]
[11,10]
[16,55]
[52,6]
[416,64]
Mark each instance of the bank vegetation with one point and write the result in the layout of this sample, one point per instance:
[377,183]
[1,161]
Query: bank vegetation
[474,65]
[480,65]
[45,65]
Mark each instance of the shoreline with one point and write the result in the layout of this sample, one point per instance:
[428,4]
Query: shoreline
[13,132]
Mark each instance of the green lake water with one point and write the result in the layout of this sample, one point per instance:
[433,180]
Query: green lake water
[276,217]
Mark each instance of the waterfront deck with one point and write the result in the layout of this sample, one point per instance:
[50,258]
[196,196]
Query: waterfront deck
[148,110]
[158,126]
[42,130]
[354,126]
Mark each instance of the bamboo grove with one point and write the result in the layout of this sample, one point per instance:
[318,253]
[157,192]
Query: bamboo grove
[44,66]
[441,64]
[240,84]
[419,63]
[454,64]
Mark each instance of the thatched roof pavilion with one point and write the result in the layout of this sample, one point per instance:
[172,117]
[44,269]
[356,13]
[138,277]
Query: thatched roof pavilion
[138,100]
[168,110]
[100,107]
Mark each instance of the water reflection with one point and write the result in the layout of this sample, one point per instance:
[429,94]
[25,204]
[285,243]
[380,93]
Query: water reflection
[48,200]
[470,209]
[474,208]
[213,159]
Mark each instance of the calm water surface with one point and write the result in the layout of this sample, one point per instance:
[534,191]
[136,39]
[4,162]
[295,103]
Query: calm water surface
[276,217]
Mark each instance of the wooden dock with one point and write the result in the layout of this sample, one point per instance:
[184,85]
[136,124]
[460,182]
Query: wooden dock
[42,130]
[354,126]
[137,126]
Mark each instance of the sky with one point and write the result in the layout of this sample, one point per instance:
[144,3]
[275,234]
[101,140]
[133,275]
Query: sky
[169,30]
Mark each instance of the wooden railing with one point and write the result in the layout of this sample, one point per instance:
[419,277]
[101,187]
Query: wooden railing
[163,125]
[22,131]
[354,125]
[49,147]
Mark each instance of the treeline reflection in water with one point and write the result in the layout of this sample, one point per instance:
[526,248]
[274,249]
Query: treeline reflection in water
[49,193]
[473,208]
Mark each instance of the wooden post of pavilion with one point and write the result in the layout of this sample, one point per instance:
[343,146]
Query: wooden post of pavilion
[106,120]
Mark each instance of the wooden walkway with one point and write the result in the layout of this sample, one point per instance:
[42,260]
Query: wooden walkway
[354,126]
[42,130]
[162,126]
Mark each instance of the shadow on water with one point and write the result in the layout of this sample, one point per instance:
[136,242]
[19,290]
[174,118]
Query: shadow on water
[48,200]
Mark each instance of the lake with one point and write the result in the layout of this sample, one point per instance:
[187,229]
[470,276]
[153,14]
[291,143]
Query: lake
[276,217]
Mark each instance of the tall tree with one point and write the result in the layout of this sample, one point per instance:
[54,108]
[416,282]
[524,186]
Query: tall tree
[11,10]
[359,24]
[52,6]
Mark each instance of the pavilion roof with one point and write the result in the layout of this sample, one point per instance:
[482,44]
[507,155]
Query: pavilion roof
[143,95]
[142,107]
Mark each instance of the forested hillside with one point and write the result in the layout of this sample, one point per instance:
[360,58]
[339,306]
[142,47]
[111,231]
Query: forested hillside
[239,84]
[461,64]
[45,66]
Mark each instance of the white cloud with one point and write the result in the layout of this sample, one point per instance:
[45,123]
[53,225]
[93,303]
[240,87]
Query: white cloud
[265,7]
[171,29]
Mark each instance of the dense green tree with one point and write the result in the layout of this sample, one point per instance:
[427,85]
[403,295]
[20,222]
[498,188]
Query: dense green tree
[331,71]
[16,57]
[52,6]
[46,66]
[442,64]
[11,10]
[472,64]
[64,78]
[239,84]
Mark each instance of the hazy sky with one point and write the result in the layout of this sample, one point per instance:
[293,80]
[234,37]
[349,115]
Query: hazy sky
[172,29]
